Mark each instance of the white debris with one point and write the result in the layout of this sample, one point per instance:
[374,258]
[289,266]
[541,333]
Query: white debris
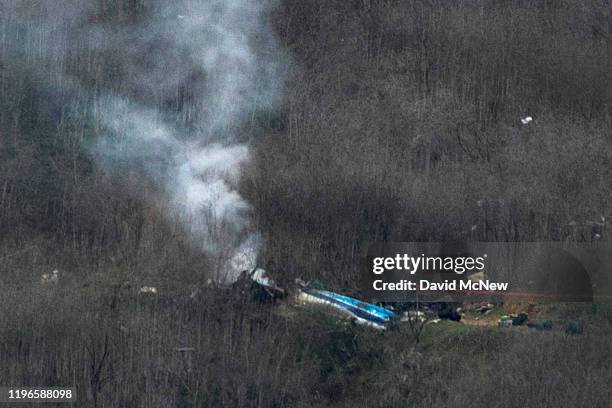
[413,316]
[180,16]
[526,120]
[478,276]
[260,276]
[474,227]
[194,293]
[47,278]
[148,289]
[504,323]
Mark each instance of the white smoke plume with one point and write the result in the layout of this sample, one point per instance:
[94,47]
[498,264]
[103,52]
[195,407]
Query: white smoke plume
[214,40]
[198,178]
[185,77]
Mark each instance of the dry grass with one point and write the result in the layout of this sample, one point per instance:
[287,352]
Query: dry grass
[122,350]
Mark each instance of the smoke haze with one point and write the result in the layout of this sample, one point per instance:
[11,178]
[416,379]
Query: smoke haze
[180,79]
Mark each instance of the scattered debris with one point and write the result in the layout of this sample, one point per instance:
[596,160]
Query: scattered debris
[148,289]
[540,325]
[484,309]
[512,320]
[260,276]
[50,278]
[413,315]
[259,285]
[194,293]
[505,321]
[445,310]
[573,327]
[518,320]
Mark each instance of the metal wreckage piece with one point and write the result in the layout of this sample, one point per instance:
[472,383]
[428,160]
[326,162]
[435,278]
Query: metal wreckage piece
[265,288]
[360,312]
